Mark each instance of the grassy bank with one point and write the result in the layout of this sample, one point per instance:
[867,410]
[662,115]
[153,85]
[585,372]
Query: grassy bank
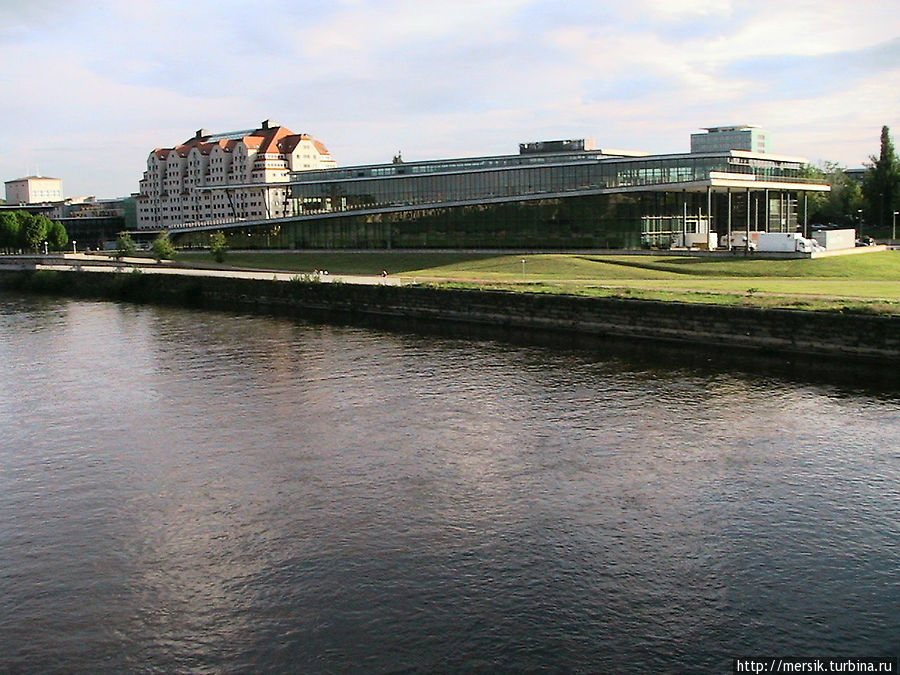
[867,282]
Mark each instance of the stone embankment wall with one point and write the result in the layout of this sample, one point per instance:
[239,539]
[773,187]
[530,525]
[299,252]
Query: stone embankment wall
[848,335]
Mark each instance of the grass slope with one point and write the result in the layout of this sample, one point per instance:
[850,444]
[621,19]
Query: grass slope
[864,282]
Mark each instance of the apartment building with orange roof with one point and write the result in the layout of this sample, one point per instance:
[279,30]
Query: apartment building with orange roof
[240,172]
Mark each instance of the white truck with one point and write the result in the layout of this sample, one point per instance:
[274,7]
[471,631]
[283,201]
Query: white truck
[739,239]
[793,242]
[698,241]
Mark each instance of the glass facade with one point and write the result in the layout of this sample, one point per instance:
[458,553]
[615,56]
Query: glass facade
[514,177]
[584,199]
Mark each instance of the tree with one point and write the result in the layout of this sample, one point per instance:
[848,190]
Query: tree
[125,245]
[841,204]
[57,237]
[162,247]
[881,184]
[34,230]
[218,246]
[10,231]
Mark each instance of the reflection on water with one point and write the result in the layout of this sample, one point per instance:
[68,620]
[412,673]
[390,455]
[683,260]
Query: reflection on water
[203,492]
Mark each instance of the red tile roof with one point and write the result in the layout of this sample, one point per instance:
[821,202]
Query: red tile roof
[270,140]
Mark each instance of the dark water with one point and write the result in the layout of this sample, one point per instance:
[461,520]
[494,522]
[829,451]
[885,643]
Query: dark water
[198,492]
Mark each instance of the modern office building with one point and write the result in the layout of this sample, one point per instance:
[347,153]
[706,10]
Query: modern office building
[33,190]
[747,137]
[553,194]
[248,169]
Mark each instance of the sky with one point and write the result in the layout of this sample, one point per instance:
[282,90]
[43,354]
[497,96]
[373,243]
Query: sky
[89,88]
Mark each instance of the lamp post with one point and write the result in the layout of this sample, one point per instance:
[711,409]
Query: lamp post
[523,269]
[859,219]
[894,227]
[74,249]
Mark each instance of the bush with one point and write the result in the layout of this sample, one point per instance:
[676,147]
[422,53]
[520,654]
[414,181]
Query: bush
[162,247]
[125,245]
[218,246]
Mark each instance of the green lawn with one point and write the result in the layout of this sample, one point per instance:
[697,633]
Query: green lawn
[339,262]
[864,282]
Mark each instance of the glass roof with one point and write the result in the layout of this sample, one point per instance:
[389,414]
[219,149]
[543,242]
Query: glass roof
[229,135]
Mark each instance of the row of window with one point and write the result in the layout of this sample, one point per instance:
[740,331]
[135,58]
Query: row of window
[315,195]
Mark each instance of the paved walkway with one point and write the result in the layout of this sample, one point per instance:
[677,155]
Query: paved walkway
[86,263]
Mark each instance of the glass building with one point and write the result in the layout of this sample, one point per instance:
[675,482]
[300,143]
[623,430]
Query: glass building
[552,195]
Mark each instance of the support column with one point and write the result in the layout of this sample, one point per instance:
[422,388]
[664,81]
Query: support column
[787,212]
[756,214]
[768,215]
[747,243]
[805,216]
[729,218]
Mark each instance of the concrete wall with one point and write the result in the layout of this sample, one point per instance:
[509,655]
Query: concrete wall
[722,330]
[854,336]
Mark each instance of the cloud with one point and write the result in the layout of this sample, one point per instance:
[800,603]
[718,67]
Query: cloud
[820,74]
[436,79]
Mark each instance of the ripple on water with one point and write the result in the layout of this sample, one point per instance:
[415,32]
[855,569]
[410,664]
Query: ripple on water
[201,492]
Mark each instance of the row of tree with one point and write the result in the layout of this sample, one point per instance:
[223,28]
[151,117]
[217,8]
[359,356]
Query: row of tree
[161,248]
[23,231]
[873,201]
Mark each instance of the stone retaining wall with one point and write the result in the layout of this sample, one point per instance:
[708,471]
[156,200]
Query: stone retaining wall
[826,334]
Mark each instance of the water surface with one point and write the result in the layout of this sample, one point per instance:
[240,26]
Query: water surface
[203,492]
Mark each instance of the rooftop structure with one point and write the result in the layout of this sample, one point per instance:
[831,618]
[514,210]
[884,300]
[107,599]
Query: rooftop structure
[747,137]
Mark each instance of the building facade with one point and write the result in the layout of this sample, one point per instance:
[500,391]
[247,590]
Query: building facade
[553,194]
[748,137]
[248,169]
[33,190]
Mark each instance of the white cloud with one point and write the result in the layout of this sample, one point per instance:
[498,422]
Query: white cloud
[434,79]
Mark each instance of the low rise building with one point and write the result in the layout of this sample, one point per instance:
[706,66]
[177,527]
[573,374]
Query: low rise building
[247,167]
[34,190]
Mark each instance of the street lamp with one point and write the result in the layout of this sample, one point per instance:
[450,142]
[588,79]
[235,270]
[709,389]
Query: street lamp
[523,269]
[859,219]
[74,249]
[894,227]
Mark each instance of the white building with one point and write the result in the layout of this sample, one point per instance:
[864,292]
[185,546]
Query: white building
[239,172]
[33,190]
[747,137]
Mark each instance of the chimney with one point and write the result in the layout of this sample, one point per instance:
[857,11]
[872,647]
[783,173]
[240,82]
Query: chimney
[270,124]
[202,132]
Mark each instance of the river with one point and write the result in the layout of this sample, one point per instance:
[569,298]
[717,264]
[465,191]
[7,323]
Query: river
[186,491]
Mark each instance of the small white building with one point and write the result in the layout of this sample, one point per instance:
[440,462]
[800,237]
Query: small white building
[33,190]
[832,240]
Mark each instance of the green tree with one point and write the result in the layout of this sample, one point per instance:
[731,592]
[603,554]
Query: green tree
[10,231]
[125,245]
[881,184]
[841,204]
[218,246]
[34,230]
[162,247]
[57,236]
